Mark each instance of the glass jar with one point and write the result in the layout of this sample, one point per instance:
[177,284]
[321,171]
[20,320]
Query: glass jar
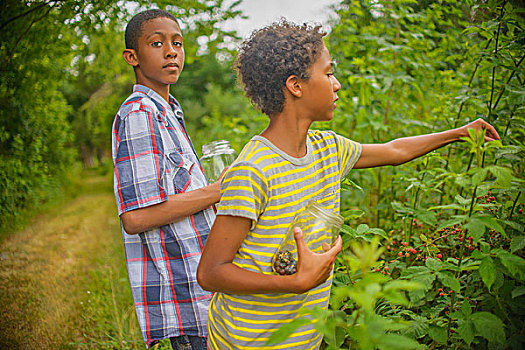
[319,225]
[216,156]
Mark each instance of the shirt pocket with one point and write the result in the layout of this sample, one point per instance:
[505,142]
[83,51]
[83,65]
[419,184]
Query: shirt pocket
[180,169]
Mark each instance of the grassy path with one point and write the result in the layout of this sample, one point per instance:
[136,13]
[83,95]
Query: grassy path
[63,281]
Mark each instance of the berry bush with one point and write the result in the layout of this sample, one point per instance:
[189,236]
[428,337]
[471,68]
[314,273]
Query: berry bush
[433,256]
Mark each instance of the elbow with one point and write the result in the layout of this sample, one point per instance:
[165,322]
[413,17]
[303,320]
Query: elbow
[203,279]
[130,224]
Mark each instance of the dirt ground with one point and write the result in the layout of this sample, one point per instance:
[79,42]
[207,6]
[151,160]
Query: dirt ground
[45,267]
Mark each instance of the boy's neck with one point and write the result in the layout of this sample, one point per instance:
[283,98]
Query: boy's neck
[162,89]
[288,132]
[164,92]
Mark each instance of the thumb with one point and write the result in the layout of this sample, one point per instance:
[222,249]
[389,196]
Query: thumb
[299,240]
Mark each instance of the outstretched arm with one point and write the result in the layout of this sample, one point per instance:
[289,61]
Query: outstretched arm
[405,149]
[217,273]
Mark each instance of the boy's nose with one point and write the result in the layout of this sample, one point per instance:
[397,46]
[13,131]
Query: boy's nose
[336,85]
[170,51]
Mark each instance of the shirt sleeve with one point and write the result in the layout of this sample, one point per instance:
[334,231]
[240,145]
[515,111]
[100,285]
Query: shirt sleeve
[244,191]
[348,152]
[139,161]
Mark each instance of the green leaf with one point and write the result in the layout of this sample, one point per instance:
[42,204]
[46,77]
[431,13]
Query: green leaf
[414,271]
[487,271]
[517,292]
[362,228]
[503,175]
[476,254]
[399,207]
[489,326]
[378,231]
[286,330]
[347,183]
[449,281]
[492,222]
[427,217]
[476,228]
[466,330]
[433,264]
[438,334]
[352,214]
[479,176]
[396,341]
[517,243]
[466,309]
[485,247]
[513,263]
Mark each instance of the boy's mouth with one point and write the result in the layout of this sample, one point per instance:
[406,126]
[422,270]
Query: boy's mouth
[171,65]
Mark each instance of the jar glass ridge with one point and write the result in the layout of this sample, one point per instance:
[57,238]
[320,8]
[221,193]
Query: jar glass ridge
[319,225]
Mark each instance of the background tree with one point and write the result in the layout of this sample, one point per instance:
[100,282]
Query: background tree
[63,79]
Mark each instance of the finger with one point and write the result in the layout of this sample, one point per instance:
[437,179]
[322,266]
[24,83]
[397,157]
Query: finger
[337,246]
[493,133]
[326,247]
[299,240]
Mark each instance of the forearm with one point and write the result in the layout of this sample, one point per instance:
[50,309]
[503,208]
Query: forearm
[218,273]
[175,208]
[408,148]
[229,278]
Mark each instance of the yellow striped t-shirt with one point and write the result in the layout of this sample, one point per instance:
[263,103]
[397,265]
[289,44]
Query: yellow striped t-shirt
[270,187]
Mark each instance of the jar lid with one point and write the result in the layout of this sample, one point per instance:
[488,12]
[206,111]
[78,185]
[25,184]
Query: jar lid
[325,214]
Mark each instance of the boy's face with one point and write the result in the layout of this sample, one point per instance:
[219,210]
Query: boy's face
[320,91]
[159,59]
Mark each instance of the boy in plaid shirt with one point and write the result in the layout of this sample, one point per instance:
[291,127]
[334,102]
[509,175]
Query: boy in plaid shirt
[164,200]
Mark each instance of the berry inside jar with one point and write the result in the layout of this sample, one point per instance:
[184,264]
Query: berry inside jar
[285,263]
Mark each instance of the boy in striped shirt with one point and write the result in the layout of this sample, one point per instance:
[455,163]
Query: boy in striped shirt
[287,72]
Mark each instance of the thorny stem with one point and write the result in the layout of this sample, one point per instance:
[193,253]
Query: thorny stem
[514,205]
[508,80]
[416,197]
[494,68]
[466,171]
[503,310]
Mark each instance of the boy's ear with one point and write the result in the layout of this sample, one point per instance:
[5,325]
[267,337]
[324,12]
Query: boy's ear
[130,56]
[293,85]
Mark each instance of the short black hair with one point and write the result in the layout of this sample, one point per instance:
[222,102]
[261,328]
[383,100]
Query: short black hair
[134,27]
[273,53]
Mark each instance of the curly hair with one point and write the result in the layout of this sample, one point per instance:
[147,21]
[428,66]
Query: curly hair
[270,55]
[134,27]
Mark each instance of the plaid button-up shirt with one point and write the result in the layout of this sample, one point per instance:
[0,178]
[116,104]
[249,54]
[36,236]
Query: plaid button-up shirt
[153,158]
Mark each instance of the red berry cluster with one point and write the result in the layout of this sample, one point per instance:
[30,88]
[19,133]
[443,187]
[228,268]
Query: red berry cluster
[384,270]
[415,223]
[488,199]
[442,293]
[404,250]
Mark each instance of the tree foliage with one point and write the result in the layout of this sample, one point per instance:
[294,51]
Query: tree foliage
[63,79]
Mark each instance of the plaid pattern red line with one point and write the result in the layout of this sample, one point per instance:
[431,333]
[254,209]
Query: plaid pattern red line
[154,158]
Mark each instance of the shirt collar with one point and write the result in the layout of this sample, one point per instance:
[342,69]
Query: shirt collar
[173,104]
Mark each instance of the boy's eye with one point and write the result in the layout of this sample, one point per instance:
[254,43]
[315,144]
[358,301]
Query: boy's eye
[177,43]
[156,44]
